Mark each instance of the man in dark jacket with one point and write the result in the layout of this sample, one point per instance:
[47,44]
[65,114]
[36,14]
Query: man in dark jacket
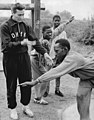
[15,37]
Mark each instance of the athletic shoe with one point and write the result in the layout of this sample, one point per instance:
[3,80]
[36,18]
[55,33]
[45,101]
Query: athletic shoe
[41,101]
[13,114]
[45,94]
[27,111]
[59,93]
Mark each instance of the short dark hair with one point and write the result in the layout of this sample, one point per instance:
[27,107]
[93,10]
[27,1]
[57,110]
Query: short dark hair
[63,43]
[45,28]
[17,6]
[55,16]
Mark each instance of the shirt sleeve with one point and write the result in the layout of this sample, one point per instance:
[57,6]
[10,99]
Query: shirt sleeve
[67,66]
[58,30]
[37,46]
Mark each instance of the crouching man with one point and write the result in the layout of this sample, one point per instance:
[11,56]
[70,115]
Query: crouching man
[73,63]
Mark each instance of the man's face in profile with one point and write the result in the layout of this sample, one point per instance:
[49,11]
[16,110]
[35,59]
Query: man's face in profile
[60,52]
[19,15]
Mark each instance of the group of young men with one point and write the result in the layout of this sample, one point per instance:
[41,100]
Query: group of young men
[17,64]
[39,66]
[16,35]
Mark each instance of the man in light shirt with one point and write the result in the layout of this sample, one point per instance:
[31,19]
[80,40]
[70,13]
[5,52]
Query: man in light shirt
[73,63]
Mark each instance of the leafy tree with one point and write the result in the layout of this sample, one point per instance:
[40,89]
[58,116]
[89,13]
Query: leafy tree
[65,15]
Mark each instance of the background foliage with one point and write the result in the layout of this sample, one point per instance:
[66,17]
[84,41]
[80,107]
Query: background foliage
[79,30]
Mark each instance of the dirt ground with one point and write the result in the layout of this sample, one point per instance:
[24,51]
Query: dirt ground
[41,112]
[49,112]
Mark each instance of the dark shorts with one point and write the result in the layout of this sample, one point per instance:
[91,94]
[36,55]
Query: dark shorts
[87,83]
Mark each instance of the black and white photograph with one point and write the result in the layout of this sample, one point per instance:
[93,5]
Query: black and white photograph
[46,60]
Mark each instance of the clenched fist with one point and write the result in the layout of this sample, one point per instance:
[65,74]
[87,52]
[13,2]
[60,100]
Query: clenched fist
[24,42]
[46,44]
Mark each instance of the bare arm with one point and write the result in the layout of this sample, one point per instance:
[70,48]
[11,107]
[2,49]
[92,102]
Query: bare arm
[67,66]
[71,63]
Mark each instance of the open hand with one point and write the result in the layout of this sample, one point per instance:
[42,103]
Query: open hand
[31,84]
[46,44]
[25,84]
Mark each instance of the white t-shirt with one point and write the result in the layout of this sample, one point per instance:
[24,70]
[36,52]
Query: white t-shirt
[61,35]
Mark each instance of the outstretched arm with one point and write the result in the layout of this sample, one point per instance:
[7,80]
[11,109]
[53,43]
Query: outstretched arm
[70,20]
[67,66]
[61,27]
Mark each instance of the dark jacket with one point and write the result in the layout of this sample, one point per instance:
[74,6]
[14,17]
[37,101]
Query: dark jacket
[13,32]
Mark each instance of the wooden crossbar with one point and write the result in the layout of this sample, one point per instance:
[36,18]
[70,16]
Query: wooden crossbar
[35,6]
[28,6]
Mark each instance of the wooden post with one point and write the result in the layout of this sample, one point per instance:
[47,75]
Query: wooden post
[32,19]
[37,17]
[32,14]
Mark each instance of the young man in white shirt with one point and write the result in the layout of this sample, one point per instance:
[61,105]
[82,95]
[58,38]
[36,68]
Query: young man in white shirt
[56,24]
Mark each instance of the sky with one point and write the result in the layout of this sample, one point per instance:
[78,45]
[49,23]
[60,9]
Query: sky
[79,8]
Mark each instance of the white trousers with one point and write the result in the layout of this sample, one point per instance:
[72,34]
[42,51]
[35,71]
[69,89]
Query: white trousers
[37,70]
